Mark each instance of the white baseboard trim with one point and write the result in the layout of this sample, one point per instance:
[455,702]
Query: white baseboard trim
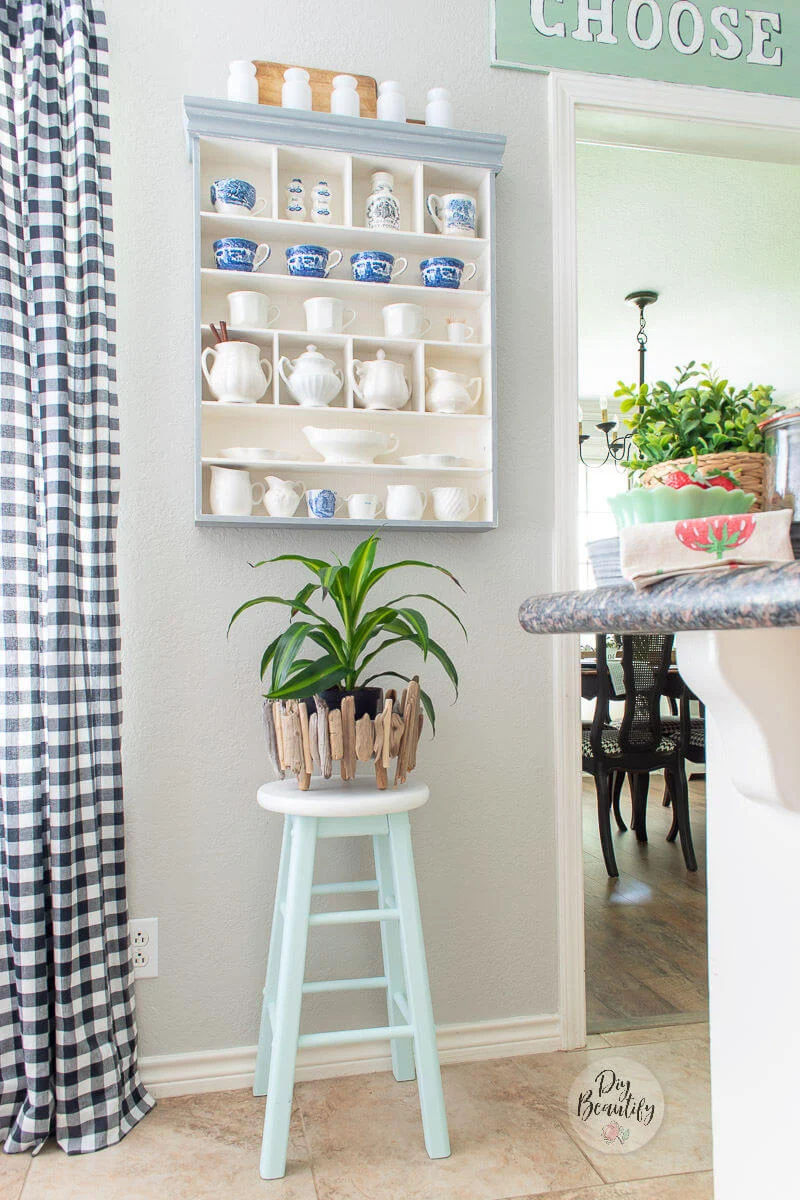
[225,1070]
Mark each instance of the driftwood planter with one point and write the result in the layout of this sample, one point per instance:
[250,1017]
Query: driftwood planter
[307,745]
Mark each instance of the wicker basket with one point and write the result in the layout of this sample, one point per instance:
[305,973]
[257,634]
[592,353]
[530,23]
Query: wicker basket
[749,469]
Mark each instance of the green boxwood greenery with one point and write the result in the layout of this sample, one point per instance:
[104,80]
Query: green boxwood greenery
[700,413]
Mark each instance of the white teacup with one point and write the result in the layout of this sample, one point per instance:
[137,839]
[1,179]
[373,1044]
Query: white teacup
[459,332]
[404,502]
[326,314]
[251,310]
[363,506]
[405,321]
[453,503]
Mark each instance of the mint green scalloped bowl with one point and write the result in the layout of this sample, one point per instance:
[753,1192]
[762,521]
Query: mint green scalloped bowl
[646,506]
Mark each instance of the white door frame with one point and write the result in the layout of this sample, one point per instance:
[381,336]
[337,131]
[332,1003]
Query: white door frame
[717,122]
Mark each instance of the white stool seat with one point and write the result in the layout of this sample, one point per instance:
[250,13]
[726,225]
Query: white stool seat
[339,798]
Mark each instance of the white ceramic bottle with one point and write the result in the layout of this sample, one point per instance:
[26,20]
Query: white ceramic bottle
[242,82]
[345,100]
[383,207]
[296,90]
[321,203]
[295,200]
[439,109]
[391,102]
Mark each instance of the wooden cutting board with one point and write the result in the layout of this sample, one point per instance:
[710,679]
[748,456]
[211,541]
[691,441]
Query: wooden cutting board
[270,81]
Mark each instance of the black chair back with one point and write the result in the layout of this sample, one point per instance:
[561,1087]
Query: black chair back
[646,661]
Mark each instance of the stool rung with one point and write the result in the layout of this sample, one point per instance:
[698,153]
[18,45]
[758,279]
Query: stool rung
[341,1037]
[346,985]
[355,916]
[342,889]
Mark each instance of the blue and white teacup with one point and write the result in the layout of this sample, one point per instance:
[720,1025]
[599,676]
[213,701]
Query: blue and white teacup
[311,262]
[240,254]
[376,266]
[453,214]
[322,503]
[445,272]
[235,196]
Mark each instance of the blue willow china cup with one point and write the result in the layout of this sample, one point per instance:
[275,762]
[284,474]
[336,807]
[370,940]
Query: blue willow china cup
[375,266]
[235,196]
[311,262]
[445,272]
[321,502]
[240,254]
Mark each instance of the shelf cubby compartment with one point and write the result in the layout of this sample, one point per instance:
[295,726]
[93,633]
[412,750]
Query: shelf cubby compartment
[471,361]
[311,166]
[407,189]
[439,179]
[223,158]
[407,353]
[291,345]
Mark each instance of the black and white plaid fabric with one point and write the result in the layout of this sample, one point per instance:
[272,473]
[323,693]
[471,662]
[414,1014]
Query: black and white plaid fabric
[67,1027]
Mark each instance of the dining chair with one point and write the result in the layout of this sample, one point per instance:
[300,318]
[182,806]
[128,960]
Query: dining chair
[638,744]
[691,732]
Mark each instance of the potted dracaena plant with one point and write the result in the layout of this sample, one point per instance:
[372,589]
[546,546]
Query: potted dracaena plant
[700,426]
[338,657]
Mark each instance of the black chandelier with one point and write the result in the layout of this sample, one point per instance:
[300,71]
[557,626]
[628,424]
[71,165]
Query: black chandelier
[617,444]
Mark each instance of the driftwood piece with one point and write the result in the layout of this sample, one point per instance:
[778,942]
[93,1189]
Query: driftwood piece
[410,734]
[348,737]
[395,735]
[277,721]
[387,726]
[381,774]
[412,758]
[272,738]
[293,738]
[364,738]
[337,744]
[305,734]
[391,694]
[313,737]
[323,737]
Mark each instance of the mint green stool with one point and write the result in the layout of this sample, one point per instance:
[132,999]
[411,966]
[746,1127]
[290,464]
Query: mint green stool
[356,809]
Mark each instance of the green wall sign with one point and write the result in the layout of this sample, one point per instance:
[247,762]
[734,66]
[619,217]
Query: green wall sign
[679,41]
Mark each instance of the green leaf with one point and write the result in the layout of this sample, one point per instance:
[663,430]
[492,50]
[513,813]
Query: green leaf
[324,673]
[268,655]
[444,658]
[379,572]
[369,626]
[315,565]
[433,600]
[289,644]
[298,607]
[420,626]
[359,567]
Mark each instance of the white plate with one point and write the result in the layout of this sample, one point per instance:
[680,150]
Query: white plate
[433,462]
[252,453]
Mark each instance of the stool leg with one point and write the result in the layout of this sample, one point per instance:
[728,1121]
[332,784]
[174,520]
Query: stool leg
[429,1076]
[402,1051]
[273,963]
[288,998]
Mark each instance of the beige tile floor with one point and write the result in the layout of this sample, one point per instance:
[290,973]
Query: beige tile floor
[360,1139]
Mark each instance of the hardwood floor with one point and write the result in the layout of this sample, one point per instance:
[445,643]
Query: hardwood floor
[646,955]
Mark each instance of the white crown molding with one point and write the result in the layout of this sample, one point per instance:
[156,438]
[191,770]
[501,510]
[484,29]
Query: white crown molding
[226,1070]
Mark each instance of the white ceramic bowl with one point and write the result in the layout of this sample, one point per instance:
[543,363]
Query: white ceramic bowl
[252,454]
[349,445]
[433,462]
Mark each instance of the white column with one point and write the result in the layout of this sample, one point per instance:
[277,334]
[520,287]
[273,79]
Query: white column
[749,682]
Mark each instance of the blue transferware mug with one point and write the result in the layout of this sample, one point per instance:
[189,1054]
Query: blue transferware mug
[235,196]
[240,254]
[453,214]
[311,262]
[322,502]
[375,266]
[445,272]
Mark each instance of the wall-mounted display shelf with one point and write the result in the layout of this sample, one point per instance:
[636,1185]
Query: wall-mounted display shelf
[268,148]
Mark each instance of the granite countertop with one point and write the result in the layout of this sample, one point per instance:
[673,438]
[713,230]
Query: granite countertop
[745,598]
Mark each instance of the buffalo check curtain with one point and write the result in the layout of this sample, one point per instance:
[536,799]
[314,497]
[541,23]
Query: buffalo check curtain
[67,1028]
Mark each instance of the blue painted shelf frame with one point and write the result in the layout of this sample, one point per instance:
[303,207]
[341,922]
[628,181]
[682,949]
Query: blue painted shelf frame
[268,146]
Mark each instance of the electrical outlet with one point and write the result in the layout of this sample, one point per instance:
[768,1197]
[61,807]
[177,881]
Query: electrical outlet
[144,947]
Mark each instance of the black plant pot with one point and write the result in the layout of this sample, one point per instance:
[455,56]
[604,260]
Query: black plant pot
[368,700]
